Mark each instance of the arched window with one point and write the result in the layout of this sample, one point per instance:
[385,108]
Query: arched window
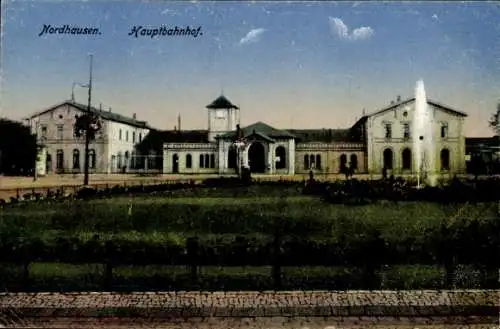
[92,159]
[212,160]
[189,161]
[76,159]
[406,157]
[281,155]
[207,161]
[119,160]
[388,158]
[318,161]
[133,162]
[202,163]
[127,156]
[306,162]
[343,163]
[354,162]
[312,164]
[445,159]
[60,159]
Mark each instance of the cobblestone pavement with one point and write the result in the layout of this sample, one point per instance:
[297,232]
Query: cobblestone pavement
[257,304]
[271,323]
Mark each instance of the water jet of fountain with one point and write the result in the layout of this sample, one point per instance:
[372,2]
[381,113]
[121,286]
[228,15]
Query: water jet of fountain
[423,139]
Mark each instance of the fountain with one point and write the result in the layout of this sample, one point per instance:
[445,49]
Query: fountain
[423,139]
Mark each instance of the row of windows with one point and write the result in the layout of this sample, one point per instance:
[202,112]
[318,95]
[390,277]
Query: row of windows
[60,133]
[407,130]
[406,157]
[312,161]
[205,160]
[76,159]
[120,136]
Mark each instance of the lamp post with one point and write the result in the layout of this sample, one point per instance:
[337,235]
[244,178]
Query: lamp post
[35,168]
[87,137]
[87,127]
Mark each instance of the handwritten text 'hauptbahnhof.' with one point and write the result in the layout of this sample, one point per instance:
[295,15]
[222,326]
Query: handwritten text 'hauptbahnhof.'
[136,31]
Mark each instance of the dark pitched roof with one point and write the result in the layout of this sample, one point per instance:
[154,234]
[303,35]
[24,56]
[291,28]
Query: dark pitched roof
[106,115]
[184,136]
[222,103]
[262,128]
[409,100]
[482,141]
[322,135]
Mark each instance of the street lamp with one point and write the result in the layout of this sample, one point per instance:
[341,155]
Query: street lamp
[88,127]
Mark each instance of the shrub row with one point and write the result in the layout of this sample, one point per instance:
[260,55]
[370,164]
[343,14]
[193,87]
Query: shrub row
[362,192]
[474,244]
[60,277]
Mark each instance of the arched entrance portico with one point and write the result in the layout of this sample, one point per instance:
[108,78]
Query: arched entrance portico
[257,157]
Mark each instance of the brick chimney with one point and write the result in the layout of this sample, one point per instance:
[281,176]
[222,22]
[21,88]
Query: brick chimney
[179,122]
[100,106]
[110,109]
[134,116]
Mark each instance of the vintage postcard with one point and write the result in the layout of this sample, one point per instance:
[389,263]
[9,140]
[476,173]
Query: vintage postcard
[312,149]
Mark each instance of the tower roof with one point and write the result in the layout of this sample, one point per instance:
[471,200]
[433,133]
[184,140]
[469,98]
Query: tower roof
[222,103]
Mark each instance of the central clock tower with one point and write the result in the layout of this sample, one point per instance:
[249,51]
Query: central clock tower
[223,116]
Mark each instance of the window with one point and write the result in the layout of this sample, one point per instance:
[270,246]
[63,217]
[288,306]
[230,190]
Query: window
[127,159]
[406,130]
[354,162]
[212,160]
[406,157]
[306,161]
[92,159]
[189,161]
[133,137]
[388,158]
[311,161]
[445,159]
[60,159]
[281,157]
[76,159]
[202,163]
[119,160]
[343,163]
[318,161]
[444,130]
[207,161]
[120,135]
[43,130]
[60,130]
[126,136]
[140,137]
[388,130]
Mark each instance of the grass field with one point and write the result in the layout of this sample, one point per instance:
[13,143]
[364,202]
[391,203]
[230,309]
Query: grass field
[173,216]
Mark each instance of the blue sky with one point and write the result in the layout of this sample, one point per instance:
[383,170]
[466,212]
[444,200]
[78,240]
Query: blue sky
[292,65]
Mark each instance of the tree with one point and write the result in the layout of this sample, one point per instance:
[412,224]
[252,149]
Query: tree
[16,158]
[495,121]
[87,125]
